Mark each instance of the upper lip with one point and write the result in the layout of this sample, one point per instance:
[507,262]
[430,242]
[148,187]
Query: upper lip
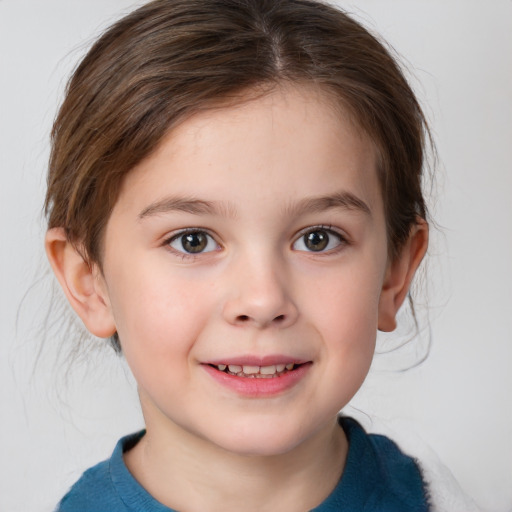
[252,360]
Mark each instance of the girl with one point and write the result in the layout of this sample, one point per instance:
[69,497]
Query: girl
[234,200]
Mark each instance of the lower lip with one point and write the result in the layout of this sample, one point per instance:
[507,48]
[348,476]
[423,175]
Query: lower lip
[258,387]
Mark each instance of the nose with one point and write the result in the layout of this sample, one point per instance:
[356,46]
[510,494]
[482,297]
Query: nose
[260,295]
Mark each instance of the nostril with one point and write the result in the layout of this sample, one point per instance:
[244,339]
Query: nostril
[245,319]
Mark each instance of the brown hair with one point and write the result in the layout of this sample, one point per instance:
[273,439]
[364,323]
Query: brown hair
[171,58]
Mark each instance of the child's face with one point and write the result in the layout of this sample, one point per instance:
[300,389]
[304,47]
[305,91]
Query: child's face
[279,199]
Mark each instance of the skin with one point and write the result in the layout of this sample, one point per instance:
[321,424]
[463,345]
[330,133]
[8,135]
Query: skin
[249,177]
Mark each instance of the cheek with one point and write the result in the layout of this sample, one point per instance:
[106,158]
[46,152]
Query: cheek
[344,311]
[158,315]
[345,300]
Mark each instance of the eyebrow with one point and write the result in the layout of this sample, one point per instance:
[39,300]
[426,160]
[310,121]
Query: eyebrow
[344,200]
[187,205]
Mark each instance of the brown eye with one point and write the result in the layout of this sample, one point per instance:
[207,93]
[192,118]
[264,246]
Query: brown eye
[319,240]
[316,240]
[193,242]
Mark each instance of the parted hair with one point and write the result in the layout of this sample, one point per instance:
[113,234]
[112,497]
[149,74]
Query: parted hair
[170,59]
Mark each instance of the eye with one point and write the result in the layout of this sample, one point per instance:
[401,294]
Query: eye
[193,242]
[318,240]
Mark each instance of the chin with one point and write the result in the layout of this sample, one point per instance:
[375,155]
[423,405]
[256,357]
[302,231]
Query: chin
[260,440]
[259,447]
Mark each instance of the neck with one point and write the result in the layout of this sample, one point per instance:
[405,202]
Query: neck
[187,473]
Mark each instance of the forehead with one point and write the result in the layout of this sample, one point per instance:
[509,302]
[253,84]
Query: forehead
[295,110]
[292,140]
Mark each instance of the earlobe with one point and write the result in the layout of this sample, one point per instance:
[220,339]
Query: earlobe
[399,275]
[81,282]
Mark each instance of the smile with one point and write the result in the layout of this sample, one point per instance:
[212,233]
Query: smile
[249,379]
[256,372]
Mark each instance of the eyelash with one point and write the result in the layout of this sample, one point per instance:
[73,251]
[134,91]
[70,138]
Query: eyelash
[328,229]
[189,231]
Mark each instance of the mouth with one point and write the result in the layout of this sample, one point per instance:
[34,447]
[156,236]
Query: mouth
[255,377]
[257,372]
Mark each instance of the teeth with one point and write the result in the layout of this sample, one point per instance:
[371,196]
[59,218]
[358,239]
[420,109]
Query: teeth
[253,371]
[267,370]
[249,370]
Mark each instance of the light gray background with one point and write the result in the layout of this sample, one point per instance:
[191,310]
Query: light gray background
[55,424]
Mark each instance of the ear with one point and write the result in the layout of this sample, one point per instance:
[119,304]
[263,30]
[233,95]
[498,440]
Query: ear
[83,284]
[399,275]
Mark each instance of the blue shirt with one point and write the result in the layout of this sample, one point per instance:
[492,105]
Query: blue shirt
[377,477]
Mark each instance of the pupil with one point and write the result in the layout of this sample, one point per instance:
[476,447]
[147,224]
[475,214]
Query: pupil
[194,242]
[316,240]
